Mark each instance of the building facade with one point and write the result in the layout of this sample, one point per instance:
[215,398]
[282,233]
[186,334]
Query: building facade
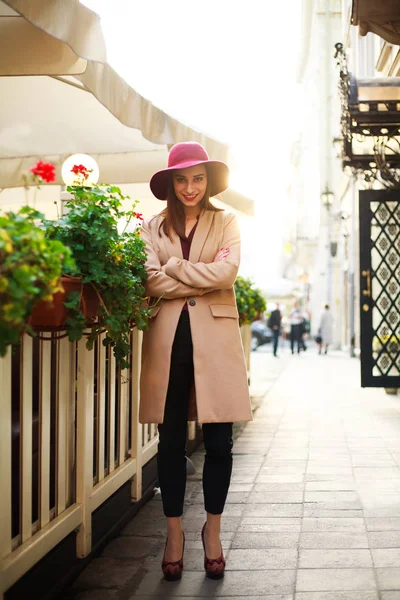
[323,231]
[315,167]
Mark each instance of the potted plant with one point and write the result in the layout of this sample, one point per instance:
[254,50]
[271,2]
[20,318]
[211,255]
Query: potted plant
[52,314]
[249,300]
[109,259]
[30,270]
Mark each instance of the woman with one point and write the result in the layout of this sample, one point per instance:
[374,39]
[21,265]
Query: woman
[193,366]
[325,329]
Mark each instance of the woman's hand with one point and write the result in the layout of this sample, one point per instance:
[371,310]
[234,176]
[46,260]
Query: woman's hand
[222,254]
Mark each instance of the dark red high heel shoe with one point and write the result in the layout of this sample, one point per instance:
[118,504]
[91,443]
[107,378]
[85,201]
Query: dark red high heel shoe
[173,570]
[214,567]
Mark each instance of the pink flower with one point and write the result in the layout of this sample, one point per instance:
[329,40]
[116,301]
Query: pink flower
[45,171]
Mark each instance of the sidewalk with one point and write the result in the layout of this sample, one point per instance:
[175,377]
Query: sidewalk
[313,511]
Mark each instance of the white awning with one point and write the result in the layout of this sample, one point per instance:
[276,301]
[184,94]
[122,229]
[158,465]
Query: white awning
[59,96]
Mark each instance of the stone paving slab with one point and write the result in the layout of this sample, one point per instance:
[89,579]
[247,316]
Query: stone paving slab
[386,557]
[266,540]
[274,510]
[359,595]
[261,524]
[263,597]
[278,487]
[281,478]
[96,595]
[261,558]
[131,547]
[335,579]
[383,524]
[107,572]
[384,539]
[335,559]
[333,524]
[348,485]
[238,583]
[313,512]
[389,578]
[324,511]
[275,498]
[333,539]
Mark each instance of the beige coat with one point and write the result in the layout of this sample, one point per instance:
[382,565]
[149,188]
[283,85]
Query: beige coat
[220,377]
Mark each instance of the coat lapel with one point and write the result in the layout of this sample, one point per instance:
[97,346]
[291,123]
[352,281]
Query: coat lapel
[200,235]
[172,247]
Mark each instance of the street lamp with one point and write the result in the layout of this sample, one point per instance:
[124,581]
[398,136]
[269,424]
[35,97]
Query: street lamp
[70,177]
[327,198]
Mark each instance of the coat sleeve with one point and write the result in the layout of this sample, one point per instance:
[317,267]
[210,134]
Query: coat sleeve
[158,283]
[210,276]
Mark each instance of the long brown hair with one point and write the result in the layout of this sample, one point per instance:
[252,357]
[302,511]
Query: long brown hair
[174,213]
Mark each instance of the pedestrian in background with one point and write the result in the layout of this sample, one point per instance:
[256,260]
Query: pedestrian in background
[274,323]
[296,328]
[326,329]
[318,339]
[305,330]
[193,366]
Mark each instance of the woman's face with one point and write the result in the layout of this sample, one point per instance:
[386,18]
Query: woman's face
[190,184]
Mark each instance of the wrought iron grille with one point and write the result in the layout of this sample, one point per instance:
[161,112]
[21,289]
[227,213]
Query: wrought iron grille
[370,128]
[385,288]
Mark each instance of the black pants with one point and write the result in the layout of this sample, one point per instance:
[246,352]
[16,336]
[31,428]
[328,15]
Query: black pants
[295,336]
[217,437]
[275,339]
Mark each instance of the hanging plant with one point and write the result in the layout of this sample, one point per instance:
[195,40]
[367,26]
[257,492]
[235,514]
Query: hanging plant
[110,261]
[30,268]
[80,273]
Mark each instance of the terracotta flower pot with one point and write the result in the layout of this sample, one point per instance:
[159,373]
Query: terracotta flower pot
[90,303]
[52,315]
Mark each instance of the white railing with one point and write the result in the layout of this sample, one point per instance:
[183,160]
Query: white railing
[69,438]
[74,419]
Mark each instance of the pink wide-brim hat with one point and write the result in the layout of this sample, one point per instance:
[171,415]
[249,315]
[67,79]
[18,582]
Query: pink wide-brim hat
[183,156]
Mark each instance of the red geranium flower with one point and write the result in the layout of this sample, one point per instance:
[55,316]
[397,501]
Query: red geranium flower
[45,171]
[138,215]
[80,170]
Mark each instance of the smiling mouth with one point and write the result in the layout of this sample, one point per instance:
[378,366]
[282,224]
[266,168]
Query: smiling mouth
[190,197]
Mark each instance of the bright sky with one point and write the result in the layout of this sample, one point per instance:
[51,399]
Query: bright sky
[226,67]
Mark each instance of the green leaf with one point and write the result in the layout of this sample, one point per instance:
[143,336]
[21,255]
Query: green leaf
[31,266]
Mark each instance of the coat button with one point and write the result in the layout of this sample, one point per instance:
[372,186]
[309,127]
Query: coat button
[192,302]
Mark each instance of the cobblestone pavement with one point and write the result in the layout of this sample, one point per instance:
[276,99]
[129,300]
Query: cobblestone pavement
[313,512]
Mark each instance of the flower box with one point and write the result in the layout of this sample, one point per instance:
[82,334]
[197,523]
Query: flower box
[52,315]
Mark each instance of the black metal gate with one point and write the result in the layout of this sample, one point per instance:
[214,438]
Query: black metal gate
[380,288]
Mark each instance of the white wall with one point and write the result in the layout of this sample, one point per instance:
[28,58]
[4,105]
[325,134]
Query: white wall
[45,200]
